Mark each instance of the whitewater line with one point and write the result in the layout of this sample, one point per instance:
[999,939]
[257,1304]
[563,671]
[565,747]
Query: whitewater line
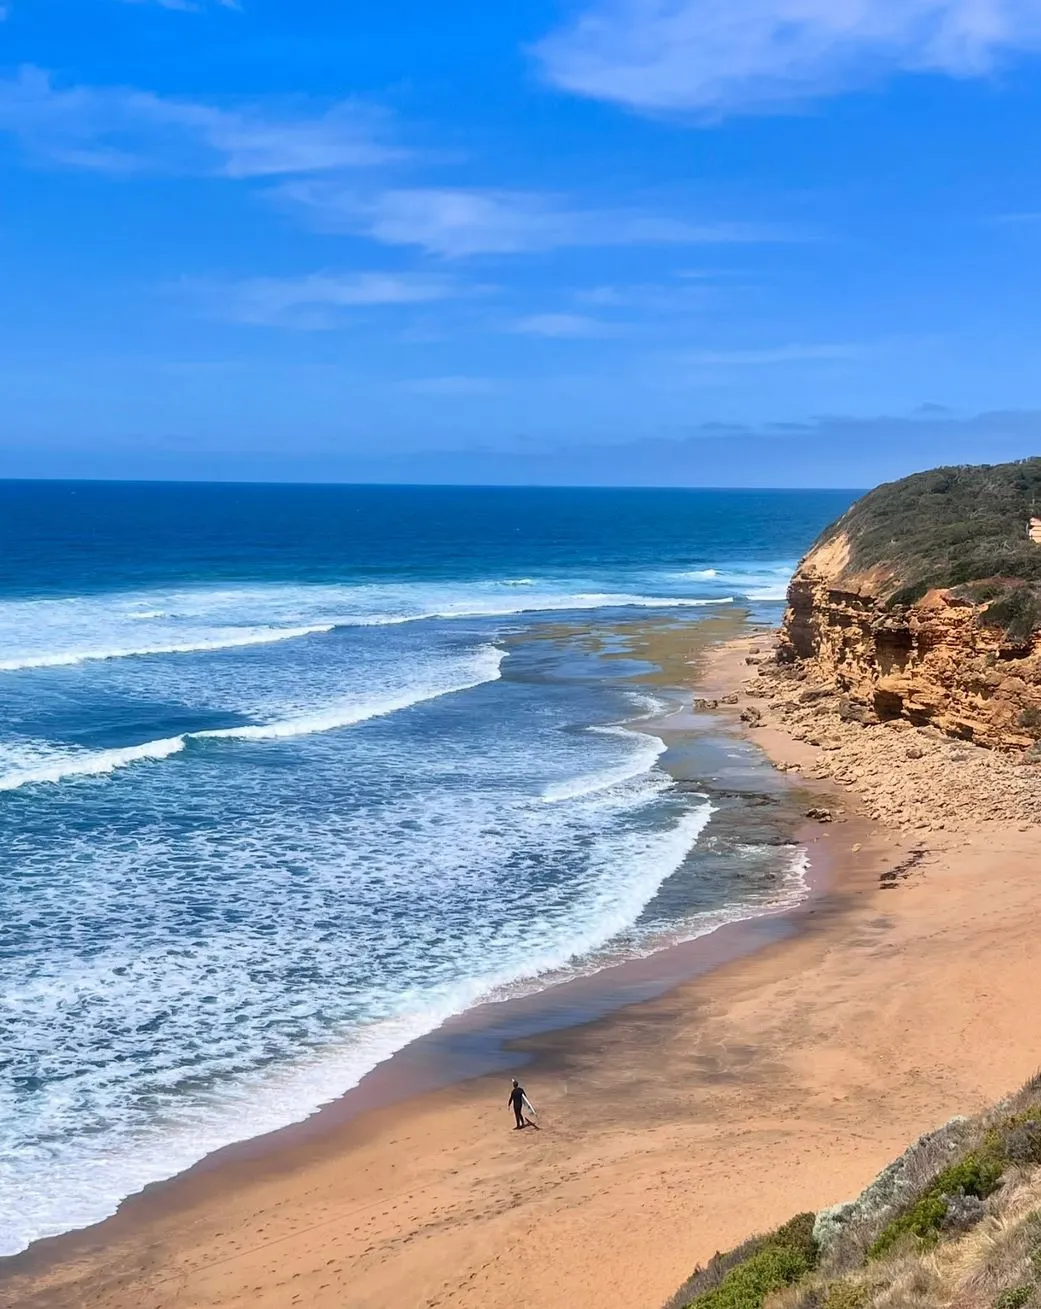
[649,750]
[92,765]
[581,602]
[101,762]
[70,657]
[91,1190]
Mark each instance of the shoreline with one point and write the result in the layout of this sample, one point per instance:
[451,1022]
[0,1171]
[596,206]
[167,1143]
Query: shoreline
[487,1037]
[673,642]
[666,1117]
[494,1038]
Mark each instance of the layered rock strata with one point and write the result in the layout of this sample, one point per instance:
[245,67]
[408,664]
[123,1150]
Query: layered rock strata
[931,663]
[914,779]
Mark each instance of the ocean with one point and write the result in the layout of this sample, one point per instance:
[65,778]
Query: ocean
[290,774]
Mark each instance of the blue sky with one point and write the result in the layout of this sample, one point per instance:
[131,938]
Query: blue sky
[759,242]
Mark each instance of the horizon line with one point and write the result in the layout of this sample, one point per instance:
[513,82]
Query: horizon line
[391,485]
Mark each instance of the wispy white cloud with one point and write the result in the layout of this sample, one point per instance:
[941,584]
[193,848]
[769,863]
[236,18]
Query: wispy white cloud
[119,129]
[318,301]
[188,6]
[455,222]
[681,296]
[606,296]
[723,56]
[1028,218]
[784,354]
[564,326]
[453,385]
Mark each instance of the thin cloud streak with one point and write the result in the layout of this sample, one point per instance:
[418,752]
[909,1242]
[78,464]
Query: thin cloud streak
[459,222]
[573,326]
[123,130]
[317,301]
[785,354]
[453,385]
[1027,219]
[718,57]
[187,6]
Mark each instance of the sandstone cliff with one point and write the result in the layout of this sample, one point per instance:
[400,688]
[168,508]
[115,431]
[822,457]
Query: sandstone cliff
[922,602]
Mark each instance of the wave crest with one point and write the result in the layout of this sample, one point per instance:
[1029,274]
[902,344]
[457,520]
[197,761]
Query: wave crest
[66,658]
[485,666]
[648,750]
[87,629]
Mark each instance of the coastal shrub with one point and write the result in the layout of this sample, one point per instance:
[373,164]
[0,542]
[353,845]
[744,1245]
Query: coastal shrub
[1029,717]
[845,1232]
[1014,1298]
[747,1285]
[932,1229]
[980,592]
[845,1295]
[709,1277]
[1030,1091]
[977,1175]
[908,595]
[947,527]
[779,1260]
[1017,1138]
[1017,613]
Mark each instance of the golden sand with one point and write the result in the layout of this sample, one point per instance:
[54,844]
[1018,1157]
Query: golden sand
[776,1083]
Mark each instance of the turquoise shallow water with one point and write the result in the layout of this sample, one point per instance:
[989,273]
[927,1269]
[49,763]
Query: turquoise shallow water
[290,774]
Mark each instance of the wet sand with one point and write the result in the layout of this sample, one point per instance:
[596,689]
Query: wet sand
[782,1078]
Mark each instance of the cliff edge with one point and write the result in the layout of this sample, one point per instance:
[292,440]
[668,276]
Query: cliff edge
[923,602]
[954,1223]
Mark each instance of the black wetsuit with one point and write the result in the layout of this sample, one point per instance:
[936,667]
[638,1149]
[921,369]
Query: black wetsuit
[517,1101]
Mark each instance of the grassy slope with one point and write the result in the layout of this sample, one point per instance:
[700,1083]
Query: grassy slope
[949,527]
[956,1221]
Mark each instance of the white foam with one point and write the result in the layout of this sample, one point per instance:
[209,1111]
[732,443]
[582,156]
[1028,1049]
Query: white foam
[39,634]
[648,750]
[230,641]
[90,764]
[649,706]
[487,669]
[81,1178]
[579,601]
[57,766]
[791,891]
[752,581]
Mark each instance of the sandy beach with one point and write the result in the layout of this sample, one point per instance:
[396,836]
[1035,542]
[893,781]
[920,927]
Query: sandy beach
[779,1081]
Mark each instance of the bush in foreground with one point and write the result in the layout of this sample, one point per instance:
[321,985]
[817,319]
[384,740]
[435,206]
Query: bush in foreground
[955,1223]
[743,1279]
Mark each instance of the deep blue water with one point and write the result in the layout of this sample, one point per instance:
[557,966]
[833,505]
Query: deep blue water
[289,774]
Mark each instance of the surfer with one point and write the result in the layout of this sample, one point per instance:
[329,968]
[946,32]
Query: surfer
[518,1102]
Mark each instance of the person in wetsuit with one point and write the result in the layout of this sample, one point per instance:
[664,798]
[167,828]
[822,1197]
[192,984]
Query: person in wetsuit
[516,1103]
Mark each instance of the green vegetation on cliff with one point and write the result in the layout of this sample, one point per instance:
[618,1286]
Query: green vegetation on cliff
[744,1277]
[955,1221]
[954,527]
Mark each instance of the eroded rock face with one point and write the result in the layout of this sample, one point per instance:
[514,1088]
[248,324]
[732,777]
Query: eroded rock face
[932,663]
